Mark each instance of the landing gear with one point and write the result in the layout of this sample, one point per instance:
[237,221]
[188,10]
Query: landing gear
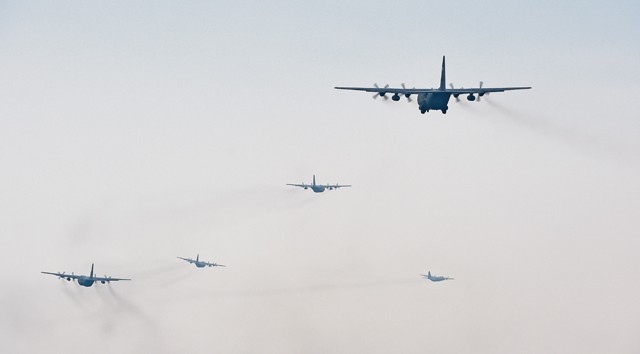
[423,111]
[444,111]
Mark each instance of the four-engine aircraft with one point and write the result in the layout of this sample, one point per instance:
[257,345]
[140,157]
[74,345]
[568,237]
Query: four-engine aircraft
[201,264]
[436,99]
[435,277]
[85,280]
[319,188]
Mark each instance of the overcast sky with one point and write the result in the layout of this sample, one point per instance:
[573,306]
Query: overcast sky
[132,132]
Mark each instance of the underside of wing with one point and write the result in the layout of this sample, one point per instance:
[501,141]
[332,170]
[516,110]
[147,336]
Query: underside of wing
[381,90]
[483,90]
[63,275]
[298,185]
[405,91]
[108,279]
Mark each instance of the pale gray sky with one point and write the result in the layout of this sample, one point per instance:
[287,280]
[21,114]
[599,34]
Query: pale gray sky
[135,132]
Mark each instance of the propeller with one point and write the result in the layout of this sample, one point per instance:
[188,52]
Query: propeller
[60,275]
[378,94]
[481,93]
[407,95]
[455,95]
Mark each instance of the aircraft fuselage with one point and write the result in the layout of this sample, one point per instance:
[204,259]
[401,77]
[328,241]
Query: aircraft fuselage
[433,100]
[84,281]
[317,189]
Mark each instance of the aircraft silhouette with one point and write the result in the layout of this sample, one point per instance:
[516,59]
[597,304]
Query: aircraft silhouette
[434,278]
[319,188]
[436,99]
[85,280]
[201,264]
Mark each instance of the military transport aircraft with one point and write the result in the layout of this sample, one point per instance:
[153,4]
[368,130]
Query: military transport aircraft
[201,264]
[85,280]
[435,277]
[319,188]
[436,99]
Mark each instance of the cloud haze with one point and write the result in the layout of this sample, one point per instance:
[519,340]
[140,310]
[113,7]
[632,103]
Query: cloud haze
[133,133]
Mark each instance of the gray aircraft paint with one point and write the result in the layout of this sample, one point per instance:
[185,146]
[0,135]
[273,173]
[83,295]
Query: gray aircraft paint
[318,188]
[432,99]
[434,278]
[85,280]
[201,264]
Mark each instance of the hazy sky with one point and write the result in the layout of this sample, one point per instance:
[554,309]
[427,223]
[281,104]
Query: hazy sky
[132,132]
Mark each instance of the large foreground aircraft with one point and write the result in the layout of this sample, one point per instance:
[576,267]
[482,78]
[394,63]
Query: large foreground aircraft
[85,280]
[319,188]
[435,277]
[436,99]
[199,263]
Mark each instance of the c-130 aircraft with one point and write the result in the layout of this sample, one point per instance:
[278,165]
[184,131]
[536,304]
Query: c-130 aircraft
[319,188]
[85,280]
[201,264]
[432,99]
[434,278]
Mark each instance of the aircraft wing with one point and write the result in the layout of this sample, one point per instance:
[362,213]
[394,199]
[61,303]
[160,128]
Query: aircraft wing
[299,185]
[63,275]
[336,186]
[483,90]
[108,279]
[381,90]
[404,91]
[214,265]
[187,259]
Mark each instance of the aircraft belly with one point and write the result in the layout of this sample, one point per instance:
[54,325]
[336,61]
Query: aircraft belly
[438,100]
[84,282]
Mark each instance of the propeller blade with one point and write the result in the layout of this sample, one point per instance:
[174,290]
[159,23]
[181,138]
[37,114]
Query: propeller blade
[408,96]
[479,95]
[456,97]
[378,93]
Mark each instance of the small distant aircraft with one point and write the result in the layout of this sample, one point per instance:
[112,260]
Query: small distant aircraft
[436,99]
[201,264]
[435,277]
[319,188]
[85,280]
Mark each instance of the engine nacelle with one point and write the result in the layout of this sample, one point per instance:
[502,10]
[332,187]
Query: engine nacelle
[395,97]
[103,282]
[68,279]
[471,97]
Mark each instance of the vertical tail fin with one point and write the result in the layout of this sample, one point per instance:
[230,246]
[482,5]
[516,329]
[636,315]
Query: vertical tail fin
[91,275]
[197,257]
[443,77]
[429,274]
[314,180]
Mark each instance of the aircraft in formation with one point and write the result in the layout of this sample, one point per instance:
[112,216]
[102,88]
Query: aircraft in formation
[319,188]
[85,280]
[432,99]
[435,278]
[428,99]
[201,264]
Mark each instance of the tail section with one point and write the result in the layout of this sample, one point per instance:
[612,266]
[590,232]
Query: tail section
[197,257]
[443,77]
[429,274]
[314,180]
[91,274]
